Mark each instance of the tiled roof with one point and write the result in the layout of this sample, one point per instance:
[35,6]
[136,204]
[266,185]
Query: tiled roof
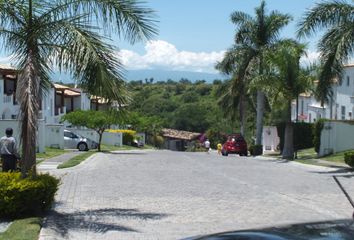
[177,134]
[7,69]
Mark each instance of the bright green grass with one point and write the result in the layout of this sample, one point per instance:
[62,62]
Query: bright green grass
[76,160]
[50,152]
[22,229]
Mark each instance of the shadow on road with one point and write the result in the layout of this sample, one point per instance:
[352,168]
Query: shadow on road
[338,170]
[98,221]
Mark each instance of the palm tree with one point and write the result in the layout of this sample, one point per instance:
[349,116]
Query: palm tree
[254,37]
[70,35]
[336,46]
[234,94]
[285,81]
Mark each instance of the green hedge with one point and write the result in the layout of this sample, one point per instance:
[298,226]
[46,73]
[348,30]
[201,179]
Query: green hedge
[303,135]
[349,158]
[26,197]
[256,150]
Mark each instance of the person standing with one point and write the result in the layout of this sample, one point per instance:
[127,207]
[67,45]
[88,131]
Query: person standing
[8,151]
[207,145]
[219,146]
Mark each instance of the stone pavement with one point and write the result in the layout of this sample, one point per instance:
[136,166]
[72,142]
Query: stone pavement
[53,163]
[170,195]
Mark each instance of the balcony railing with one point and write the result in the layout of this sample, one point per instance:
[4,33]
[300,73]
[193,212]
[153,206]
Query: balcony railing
[7,98]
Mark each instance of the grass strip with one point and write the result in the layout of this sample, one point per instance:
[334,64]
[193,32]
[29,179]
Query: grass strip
[76,160]
[49,153]
[23,229]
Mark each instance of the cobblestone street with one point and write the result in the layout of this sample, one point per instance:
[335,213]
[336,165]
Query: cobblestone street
[171,195]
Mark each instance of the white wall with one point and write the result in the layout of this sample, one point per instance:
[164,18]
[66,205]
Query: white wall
[336,137]
[270,138]
[14,124]
[54,135]
[115,139]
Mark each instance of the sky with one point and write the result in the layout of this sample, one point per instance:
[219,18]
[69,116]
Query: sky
[194,34]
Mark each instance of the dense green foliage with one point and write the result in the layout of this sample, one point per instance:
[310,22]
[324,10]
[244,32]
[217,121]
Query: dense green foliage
[303,135]
[128,138]
[349,158]
[183,105]
[317,134]
[26,196]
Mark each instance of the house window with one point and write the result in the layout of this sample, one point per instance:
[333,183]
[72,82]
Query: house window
[343,112]
[348,81]
[350,115]
[9,86]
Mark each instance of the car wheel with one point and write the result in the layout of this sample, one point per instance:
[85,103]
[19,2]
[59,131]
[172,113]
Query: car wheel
[82,146]
[245,154]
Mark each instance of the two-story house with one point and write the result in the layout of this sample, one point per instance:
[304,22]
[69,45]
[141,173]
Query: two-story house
[339,107]
[9,107]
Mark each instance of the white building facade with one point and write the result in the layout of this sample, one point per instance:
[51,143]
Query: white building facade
[340,107]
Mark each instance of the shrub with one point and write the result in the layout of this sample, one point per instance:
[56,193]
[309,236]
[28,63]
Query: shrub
[317,134]
[256,150]
[303,135]
[349,158]
[25,197]
[158,141]
[128,138]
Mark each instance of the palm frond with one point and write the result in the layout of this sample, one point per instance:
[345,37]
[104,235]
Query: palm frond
[325,15]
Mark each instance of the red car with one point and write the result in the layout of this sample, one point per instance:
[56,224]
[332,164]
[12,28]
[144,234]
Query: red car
[235,144]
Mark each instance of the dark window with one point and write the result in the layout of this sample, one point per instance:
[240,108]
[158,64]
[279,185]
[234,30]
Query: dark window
[9,86]
[348,81]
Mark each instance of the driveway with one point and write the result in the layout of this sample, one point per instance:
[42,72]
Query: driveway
[171,195]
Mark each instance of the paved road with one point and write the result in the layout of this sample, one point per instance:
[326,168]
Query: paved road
[170,195]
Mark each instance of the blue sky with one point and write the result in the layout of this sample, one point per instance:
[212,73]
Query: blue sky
[193,34]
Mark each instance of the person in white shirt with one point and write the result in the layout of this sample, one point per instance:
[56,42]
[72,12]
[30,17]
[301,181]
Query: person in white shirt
[207,145]
[8,151]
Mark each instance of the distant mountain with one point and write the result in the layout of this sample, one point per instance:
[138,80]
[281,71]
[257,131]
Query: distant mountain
[158,75]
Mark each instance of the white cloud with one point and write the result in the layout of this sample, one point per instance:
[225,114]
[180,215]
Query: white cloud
[310,58]
[163,55]
[6,60]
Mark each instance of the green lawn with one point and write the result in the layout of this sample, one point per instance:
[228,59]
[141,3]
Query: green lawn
[108,148]
[309,156]
[49,153]
[22,229]
[77,159]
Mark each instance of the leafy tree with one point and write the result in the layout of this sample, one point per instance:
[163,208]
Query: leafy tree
[336,46]
[285,81]
[95,120]
[254,37]
[41,34]
[192,117]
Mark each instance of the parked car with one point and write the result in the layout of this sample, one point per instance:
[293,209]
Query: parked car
[73,140]
[330,230]
[235,144]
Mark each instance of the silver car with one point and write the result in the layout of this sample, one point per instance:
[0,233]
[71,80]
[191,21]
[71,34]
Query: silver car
[73,140]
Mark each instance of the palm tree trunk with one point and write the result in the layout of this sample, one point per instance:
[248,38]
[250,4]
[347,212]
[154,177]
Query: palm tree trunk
[288,150]
[243,115]
[28,91]
[260,113]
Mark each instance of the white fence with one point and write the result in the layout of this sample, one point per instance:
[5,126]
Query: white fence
[336,137]
[108,138]
[54,136]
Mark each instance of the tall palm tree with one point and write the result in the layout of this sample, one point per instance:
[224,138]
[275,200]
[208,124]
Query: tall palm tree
[234,94]
[285,81]
[336,46]
[255,36]
[70,35]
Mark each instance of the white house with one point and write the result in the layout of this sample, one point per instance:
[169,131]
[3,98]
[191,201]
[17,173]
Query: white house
[340,107]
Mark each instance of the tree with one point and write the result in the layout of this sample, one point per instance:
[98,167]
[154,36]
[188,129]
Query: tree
[336,46]
[285,81]
[95,120]
[254,37]
[68,34]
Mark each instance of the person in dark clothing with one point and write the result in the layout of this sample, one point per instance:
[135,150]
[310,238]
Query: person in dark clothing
[8,151]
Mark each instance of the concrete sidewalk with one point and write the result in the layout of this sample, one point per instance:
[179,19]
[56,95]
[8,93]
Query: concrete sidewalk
[54,162]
